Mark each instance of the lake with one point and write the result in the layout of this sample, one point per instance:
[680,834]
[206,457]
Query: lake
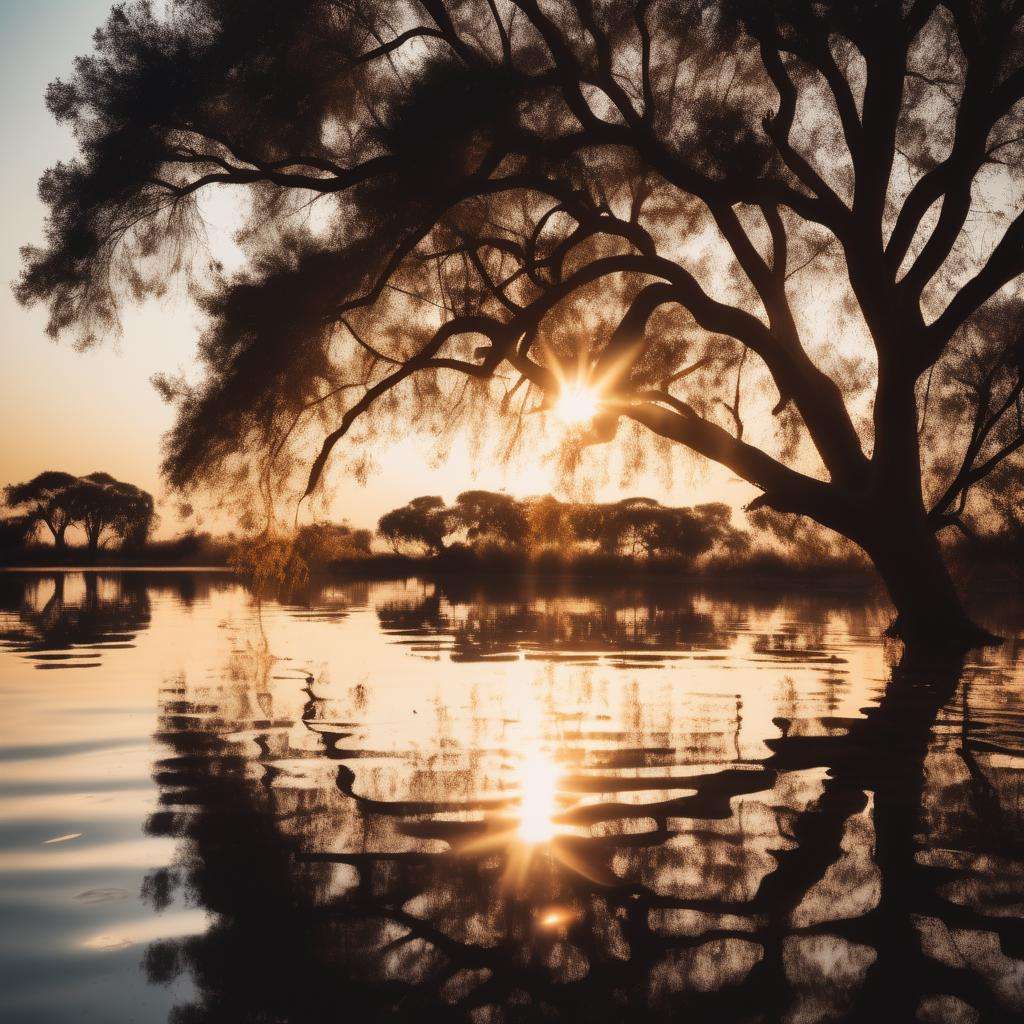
[410,801]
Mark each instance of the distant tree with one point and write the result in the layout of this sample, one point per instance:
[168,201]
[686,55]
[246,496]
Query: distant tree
[490,515]
[423,523]
[549,522]
[16,531]
[803,541]
[319,544]
[108,508]
[716,518]
[634,526]
[48,498]
[644,527]
[688,533]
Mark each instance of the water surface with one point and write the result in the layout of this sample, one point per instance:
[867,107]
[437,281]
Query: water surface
[408,801]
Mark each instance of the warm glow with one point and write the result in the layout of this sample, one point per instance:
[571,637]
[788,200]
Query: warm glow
[554,917]
[538,804]
[577,403]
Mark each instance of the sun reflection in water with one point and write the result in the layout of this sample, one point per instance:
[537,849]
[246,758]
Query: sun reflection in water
[538,803]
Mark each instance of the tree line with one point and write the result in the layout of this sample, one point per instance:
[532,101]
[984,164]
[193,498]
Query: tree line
[634,527]
[105,509]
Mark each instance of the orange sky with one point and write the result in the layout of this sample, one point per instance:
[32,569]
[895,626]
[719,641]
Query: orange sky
[80,412]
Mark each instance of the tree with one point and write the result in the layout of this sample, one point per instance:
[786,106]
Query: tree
[549,522]
[486,514]
[803,541]
[423,522]
[643,526]
[109,508]
[16,531]
[670,208]
[319,544]
[688,533]
[635,525]
[46,498]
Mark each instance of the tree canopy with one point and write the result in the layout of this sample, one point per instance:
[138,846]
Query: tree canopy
[104,507]
[776,234]
[47,498]
[424,522]
[635,527]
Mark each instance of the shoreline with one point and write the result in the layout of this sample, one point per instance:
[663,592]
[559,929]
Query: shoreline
[850,581]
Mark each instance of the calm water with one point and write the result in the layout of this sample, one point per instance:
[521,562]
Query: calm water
[404,802]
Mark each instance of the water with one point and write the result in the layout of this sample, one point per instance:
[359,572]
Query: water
[397,801]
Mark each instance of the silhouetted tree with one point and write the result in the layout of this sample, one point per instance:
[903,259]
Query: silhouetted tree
[323,543]
[549,522]
[424,522]
[630,197]
[16,531]
[803,541]
[111,508]
[103,506]
[47,498]
[489,515]
[642,526]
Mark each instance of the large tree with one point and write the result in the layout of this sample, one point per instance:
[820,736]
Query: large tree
[422,523]
[755,230]
[47,498]
[108,508]
[490,515]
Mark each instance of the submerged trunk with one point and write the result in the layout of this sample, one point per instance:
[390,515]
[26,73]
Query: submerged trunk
[930,613]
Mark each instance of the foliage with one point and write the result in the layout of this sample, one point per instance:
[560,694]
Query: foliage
[107,507]
[46,498]
[641,526]
[270,564]
[320,544]
[489,515]
[16,531]
[282,565]
[103,506]
[635,527]
[424,522]
[550,523]
[802,542]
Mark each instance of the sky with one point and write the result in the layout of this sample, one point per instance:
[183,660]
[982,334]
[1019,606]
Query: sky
[97,410]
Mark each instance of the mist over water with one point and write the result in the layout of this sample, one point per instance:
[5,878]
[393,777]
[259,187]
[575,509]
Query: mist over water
[475,802]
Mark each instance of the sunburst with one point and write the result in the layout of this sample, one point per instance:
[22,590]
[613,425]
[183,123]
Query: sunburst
[577,403]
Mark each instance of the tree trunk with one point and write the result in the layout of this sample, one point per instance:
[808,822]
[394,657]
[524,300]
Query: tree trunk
[930,614]
[59,540]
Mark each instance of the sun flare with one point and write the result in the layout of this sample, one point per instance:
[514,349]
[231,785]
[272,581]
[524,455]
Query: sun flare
[577,404]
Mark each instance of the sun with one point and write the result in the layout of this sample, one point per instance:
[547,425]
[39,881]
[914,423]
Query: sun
[577,404]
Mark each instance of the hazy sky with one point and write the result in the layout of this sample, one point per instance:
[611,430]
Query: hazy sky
[62,409]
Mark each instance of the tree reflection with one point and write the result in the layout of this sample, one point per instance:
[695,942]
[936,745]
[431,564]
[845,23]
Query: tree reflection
[863,868]
[61,613]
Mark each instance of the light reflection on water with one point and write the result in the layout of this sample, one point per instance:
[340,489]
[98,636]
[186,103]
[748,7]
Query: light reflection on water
[401,801]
